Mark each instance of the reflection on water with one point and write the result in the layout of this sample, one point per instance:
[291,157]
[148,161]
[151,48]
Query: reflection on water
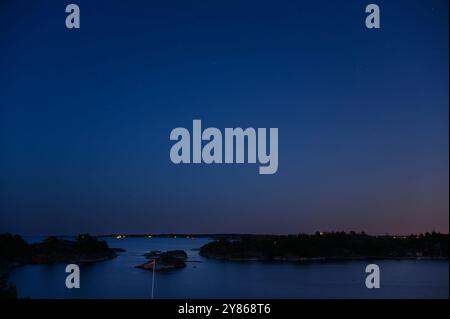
[118,278]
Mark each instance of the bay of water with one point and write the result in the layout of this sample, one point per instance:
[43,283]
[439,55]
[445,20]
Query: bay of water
[206,278]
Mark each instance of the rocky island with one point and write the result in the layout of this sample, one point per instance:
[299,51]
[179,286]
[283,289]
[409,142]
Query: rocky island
[169,260]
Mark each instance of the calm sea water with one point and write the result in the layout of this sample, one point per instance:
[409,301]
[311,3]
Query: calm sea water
[118,278]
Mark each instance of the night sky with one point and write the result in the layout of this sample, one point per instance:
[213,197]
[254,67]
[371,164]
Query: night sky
[85,116]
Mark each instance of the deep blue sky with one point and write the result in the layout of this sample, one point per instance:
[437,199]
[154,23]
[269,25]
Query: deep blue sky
[85,116]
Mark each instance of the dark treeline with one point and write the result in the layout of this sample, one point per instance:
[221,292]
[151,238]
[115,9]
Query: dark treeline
[14,250]
[13,247]
[328,245]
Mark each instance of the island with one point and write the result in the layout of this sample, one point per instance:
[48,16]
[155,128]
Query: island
[163,261]
[15,251]
[328,246]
